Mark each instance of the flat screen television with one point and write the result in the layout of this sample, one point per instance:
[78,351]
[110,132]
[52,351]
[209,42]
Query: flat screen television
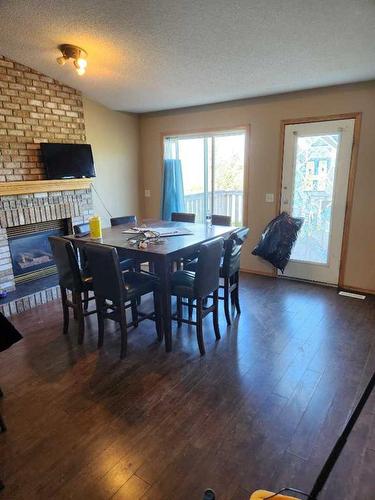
[67,161]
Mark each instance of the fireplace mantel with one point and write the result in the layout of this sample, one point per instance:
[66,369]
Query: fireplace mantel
[42,186]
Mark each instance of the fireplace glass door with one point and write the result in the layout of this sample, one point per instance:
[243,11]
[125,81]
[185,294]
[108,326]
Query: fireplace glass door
[30,250]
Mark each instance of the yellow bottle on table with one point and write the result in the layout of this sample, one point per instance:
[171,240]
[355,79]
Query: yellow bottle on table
[95,227]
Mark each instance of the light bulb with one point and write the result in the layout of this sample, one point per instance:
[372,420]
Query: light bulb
[80,63]
[81,71]
[61,60]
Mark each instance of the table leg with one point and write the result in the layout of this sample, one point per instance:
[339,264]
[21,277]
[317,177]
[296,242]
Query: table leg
[163,272]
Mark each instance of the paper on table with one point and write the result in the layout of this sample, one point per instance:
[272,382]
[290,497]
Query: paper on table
[163,231]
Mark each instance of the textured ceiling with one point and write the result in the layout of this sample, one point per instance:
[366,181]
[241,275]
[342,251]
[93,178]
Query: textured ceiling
[147,55]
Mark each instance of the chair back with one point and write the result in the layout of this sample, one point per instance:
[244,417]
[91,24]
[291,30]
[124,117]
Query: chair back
[221,220]
[208,267]
[82,229]
[182,217]
[232,251]
[67,264]
[106,273]
[125,219]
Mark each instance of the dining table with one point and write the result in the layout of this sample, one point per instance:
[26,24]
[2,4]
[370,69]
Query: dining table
[160,255]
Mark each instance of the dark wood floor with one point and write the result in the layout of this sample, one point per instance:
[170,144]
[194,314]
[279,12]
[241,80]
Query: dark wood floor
[260,410]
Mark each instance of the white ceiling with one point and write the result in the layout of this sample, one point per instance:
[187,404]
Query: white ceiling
[148,55]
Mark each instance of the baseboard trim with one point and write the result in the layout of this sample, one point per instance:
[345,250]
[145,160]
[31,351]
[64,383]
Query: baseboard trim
[259,273]
[308,282]
[339,287]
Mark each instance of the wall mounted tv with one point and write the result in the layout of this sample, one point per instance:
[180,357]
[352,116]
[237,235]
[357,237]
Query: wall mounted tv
[67,161]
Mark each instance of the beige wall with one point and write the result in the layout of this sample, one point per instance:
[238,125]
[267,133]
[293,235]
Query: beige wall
[264,116]
[114,137]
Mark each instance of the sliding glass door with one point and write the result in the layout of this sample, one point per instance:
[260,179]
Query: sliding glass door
[213,168]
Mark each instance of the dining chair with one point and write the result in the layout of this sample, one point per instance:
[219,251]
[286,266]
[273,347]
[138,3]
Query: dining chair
[116,291]
[3,427]
[196,286]
[73,279]
[130,219]
[229,270]
[182,217]
[125,219]
[83,229]
[221,220]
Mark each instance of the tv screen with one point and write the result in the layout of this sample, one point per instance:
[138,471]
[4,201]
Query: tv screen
[67,161]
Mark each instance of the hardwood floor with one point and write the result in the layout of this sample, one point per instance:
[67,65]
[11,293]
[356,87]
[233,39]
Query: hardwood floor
[261,410]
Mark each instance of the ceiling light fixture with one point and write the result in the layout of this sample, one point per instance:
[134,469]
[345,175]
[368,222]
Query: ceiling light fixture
[78,55]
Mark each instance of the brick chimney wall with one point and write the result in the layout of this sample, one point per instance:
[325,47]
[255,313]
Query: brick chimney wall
[34,108]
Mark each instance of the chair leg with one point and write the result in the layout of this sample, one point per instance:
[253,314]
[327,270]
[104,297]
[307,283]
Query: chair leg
[99,308]
[3,427]
[179,312]
[124,331]
[65,308]
[200,327]
[75,312]
[237,293]
[158,322]
[81,320]
[190,301]
[86,300]
[134,312]
[226,301]
[138,269]
[232,281]
[215,314]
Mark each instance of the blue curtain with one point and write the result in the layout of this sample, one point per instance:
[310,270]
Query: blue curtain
[173,189]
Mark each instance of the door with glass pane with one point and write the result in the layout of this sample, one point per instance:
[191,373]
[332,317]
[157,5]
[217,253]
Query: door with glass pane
[213,169]
[314,186]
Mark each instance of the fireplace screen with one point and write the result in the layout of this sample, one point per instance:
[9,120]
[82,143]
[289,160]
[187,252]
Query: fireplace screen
[30,250]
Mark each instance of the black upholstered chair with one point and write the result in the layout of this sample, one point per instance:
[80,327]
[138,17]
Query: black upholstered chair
[197,285]
[182,217]
[229,270]
[116,291]
[221,220]
[3,427]
[84,229]
[129,219]
[71,278]
[125,219]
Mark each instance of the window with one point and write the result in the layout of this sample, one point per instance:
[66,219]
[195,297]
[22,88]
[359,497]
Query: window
[212,171]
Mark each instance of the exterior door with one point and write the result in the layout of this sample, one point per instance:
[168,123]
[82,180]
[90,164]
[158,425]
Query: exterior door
[316,168]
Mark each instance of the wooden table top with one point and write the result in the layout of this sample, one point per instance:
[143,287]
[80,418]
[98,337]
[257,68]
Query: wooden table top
[114,236]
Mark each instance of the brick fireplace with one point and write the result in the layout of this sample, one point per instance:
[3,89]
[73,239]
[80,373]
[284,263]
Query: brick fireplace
[34,108]
[30,211]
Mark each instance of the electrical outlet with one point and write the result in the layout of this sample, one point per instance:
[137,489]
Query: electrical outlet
[269,197]
[147,193]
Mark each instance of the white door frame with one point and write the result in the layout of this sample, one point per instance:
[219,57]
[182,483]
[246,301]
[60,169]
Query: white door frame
[357,116]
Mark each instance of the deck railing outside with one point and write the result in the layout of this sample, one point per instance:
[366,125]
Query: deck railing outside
[225,203]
